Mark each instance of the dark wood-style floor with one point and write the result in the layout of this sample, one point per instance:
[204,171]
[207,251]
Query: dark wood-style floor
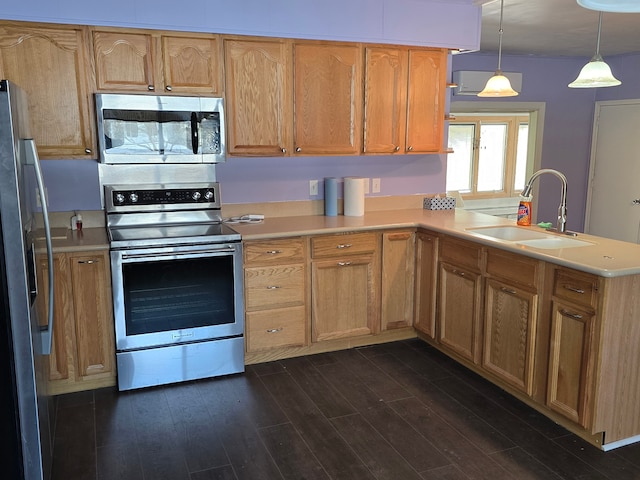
[398,411]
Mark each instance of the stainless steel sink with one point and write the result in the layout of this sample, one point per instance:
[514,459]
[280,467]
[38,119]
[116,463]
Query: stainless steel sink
[529,238]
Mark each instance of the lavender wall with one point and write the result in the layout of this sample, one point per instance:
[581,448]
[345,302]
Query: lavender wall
[568,117]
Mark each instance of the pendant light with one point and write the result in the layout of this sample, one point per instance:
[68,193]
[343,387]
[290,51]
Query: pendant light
[621,6]
[596,73]
[498,85]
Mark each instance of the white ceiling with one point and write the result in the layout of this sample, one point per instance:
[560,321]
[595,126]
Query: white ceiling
[558,28]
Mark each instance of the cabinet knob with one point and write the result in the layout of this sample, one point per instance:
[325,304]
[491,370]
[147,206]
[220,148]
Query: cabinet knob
[344,245]
[151,87]
[575,316]
[298,149]
[573,289]
[274,252]
[636,201]
[508,290]
[397,149]
[410,148]
[88,262]
[272,287]
[274,330]
[344,264]
[87,151]
[168,88]
[459,273]
[284,150]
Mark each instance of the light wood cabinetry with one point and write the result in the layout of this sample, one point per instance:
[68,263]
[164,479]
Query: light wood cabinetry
[345,286]
[397,289]
[426,282]
[572,352]
[50,65]
[259,96]
[275,294]
[511,318]
[460,298]
[83,354]
[404,100]
[328,93]
[142,61]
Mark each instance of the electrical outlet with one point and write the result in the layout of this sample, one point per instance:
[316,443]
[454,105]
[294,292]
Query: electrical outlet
[313,188]
[375,185]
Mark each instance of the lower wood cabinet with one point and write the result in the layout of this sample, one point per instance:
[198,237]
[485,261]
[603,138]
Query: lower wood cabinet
[425,283]
[460,298]
[275,294]
[397,288]
[345,286]
[83,354]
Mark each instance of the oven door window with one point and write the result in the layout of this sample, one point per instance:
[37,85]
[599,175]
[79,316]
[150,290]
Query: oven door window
[178,294]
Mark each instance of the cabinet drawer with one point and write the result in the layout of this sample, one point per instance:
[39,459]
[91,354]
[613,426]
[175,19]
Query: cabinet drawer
[283,327]
[340,245]
[269,287]
[512,267]
[577,287]
[459,252]
[274,252]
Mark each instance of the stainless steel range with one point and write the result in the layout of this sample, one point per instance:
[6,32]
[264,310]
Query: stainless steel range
[177,284]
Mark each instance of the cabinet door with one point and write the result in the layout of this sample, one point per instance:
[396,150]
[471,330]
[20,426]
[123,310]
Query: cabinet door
[258,86]
[49,64]
[344,297]
[61,360]
[93,318]
[459,311]
[571,362]
[426,98]
[327,99]
[192,64]
[385,112]
[398,261]
[124,61]
[426,280]
[509,333]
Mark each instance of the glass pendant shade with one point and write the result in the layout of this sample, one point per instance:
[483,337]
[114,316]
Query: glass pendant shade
[620,6]
[594,74]
[498,86]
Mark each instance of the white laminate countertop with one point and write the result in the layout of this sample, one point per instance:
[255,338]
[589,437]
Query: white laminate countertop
[603,256]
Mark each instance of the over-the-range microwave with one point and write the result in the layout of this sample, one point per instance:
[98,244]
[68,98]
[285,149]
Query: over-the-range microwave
[142,129]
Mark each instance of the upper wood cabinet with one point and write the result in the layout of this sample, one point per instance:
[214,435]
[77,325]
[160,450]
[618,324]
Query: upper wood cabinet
[258,92]
[327,98]
[426,101]
[152,62]
[50,65]
[404,100]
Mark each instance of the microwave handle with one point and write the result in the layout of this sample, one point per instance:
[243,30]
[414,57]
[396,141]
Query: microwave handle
[194,132]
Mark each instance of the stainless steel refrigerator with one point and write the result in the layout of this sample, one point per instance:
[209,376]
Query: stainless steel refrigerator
[25,339]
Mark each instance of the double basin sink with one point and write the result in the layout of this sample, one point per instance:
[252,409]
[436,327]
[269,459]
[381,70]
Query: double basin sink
[530,238]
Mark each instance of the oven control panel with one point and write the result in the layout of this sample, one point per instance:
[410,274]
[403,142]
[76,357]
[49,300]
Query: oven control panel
[120,198]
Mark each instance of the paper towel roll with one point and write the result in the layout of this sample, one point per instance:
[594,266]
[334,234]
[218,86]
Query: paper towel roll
[331,196]
[353,196]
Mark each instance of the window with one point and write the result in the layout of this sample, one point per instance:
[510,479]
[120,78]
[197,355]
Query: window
[489,158]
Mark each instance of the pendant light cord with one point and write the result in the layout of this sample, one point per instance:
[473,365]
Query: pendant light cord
[500,37]
[599,29]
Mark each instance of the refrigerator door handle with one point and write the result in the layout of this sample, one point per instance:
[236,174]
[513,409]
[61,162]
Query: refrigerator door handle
[32,159]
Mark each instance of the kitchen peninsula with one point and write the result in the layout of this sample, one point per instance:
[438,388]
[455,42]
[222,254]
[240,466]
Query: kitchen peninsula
[554,327]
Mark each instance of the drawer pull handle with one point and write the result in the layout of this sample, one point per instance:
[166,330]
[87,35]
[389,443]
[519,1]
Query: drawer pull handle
[88,262]
[344,245]
[508,290]
[460,274]
[274,252]
[573,289]
[576,316]
[274,330]
[272,287]
[344,264]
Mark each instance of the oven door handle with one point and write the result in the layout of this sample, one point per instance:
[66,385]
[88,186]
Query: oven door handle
[172,255]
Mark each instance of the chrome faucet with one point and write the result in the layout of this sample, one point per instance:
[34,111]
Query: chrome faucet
[562,209]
